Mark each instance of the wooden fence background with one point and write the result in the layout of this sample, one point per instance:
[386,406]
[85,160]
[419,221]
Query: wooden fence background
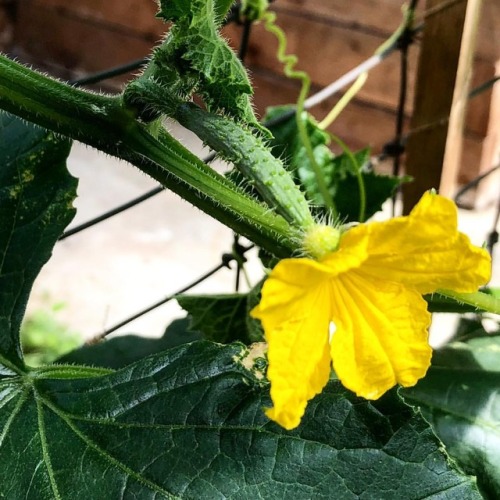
[330,37]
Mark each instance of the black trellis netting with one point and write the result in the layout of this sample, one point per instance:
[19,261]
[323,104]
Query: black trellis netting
[393,148]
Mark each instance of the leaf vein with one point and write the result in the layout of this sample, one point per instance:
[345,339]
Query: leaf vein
[45,448]
[14,413]
[109,458]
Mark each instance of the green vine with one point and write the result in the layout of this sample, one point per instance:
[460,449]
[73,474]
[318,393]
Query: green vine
[108,124]
[289,61]
[483,301]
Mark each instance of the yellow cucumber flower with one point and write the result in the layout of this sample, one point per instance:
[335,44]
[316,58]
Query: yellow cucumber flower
[361,306]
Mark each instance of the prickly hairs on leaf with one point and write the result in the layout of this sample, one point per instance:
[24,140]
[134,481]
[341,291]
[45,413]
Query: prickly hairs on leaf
[194,56]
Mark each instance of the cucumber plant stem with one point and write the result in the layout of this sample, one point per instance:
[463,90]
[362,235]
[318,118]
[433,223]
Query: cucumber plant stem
[105,123]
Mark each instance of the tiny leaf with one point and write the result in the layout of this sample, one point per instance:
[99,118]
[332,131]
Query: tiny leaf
[209,66]
[124,350]
[221,318]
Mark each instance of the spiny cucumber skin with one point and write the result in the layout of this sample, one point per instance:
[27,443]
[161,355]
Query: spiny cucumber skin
[233,143]
[249,154]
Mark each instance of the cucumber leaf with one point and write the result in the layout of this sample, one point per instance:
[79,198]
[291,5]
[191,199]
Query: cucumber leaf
[188,423]
[202,59]
[459,397]
[36,195]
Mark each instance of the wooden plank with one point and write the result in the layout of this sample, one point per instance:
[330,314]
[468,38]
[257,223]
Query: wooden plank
[488,41]
[51,37]
[6,29]
[478,110]
[383,16]
[377,16]
[433,99]
[470,159]
[380,16]
[136,16]
[454,142]
[488,192]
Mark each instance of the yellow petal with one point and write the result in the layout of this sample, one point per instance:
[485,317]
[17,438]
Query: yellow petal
[423,250]
[381,335]
[295,313]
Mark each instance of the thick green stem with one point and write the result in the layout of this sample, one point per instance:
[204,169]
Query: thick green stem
[60,107]
[218,197]
[480,300]
[234,143]
[103,122]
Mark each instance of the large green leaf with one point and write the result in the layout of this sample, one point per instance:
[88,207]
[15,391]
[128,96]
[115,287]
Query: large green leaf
[478,353]
[36,194]
[124,350]
[189,424]
[460,398]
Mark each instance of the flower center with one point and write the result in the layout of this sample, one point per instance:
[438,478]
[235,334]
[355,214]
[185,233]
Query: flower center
[321,240]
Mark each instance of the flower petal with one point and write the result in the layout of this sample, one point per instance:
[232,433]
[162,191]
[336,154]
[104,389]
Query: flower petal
[423,250]
[381,335]
[295,312]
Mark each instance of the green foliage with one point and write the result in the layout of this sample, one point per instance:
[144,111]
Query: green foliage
[182,418]
[124,350]
[338,171]
[44,338]
[460,398]
[222,318]
[473,327]
[188,424]
[195,57]
[36,195]
[478,353]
